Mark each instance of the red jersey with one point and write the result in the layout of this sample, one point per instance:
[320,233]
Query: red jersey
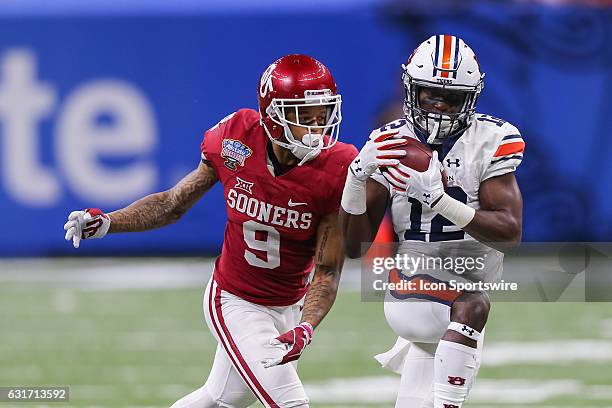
[271,229]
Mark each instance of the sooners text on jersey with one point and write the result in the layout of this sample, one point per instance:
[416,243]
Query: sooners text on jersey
[271,229]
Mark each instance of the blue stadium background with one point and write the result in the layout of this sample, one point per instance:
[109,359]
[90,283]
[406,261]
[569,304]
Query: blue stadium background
[103,102]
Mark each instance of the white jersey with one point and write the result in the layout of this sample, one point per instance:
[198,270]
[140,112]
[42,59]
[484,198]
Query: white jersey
[489,147]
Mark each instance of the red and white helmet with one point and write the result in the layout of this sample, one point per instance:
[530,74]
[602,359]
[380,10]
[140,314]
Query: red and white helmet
[291,82]
[442,61]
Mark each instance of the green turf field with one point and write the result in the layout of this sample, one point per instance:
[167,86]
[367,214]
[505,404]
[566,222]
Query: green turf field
[148,347]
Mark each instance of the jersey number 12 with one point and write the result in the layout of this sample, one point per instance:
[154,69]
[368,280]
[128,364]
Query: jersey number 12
[438,222]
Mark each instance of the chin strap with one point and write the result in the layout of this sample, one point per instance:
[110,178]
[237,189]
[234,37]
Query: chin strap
[304,154]
[301,151]
[434,132]
[434,137]
[309,156]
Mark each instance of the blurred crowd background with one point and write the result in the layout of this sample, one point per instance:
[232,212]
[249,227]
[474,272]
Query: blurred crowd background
[102,102]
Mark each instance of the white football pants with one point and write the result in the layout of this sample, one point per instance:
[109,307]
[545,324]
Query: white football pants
[243,331]
[420,324]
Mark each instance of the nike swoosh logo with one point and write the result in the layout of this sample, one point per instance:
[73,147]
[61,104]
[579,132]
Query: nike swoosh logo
[292,204]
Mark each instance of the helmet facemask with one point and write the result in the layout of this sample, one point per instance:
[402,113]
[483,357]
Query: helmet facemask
[438,125]
[318,137]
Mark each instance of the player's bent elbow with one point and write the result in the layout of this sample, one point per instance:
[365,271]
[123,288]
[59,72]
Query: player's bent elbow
[354,231]
[351,252]
[515,241]
[355,249]
[512,237]
[515,231]
[352,249]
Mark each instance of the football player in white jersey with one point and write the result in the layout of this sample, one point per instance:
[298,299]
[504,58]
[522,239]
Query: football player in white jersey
[477,216]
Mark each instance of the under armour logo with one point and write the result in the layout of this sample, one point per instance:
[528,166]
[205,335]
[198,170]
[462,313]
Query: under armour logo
[244,185]
[467,330]
[449,162]
[426,197]
[450,406]
[356,166]
[460,381]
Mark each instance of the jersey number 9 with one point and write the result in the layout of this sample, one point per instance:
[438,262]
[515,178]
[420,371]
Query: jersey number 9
[270,245]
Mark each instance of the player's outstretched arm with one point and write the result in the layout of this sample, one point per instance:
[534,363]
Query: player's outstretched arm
[160,209]
[152,211]
[361,229]
[329,258]
[498,222]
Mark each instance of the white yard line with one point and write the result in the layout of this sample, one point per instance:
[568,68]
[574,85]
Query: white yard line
[546,352]
[384,389]
[109,273]
[131,273]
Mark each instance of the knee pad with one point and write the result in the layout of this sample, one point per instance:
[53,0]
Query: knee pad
[416,320]
[464,330]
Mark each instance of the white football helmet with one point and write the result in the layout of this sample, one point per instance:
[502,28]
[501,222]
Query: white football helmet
[443,62]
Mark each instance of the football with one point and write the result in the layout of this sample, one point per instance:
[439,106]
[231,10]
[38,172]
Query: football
[418,156]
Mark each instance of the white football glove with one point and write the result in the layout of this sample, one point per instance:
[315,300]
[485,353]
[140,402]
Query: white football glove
[87,224]
[397,177]
[427,186]
[375,153]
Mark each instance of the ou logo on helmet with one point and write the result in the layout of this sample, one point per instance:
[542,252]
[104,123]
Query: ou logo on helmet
[265,85]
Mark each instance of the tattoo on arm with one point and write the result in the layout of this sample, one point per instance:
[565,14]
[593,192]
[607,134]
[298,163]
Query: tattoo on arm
[160,209]
[329,260]
[323,240]
[321,295]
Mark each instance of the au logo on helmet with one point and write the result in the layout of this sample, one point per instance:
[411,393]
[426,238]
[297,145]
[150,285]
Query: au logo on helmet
[235,153]
[447,63]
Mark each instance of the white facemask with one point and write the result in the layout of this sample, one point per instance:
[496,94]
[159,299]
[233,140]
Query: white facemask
[312,143]
[440,126]
[309,147]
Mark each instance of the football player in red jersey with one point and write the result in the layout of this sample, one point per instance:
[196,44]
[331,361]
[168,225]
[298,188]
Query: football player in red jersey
[282,172]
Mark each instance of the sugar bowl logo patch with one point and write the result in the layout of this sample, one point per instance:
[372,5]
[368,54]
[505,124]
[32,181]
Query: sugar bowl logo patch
[235,153]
